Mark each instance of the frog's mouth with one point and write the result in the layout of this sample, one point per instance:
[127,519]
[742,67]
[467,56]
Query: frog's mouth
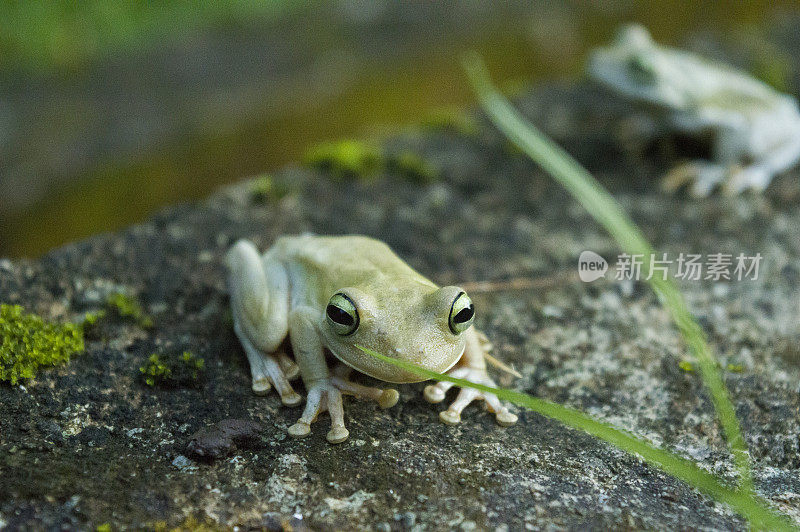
[383,371]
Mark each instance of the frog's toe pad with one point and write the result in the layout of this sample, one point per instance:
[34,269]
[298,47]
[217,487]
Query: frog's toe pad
[506,419]
[388,398]
[450,417]
[293,372]
[300,430]
[289,367]
[292,398]
[261,386]
[338,434]
[434,394]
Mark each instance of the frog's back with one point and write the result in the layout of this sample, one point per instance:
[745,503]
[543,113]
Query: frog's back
[342,260]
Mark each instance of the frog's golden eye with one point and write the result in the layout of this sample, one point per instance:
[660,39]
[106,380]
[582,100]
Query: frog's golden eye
[342,315]
[461,313]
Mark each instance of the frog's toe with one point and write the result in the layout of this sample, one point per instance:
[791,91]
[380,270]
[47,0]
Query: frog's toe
[288,366]
[288,396]
[338,434]
[751,178]
[702,176]
[261,386]
[278,379]
[435,393]
[502,415]
[322,396]
[452,415]
[292,398]
[506,418]
[388,398]
[300,429]
[449,417]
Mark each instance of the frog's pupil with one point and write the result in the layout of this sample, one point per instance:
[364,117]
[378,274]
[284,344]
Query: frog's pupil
[464,315]
[339,316]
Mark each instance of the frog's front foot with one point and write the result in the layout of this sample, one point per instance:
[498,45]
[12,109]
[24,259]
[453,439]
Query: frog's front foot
[326,394]
[435,393]
[750,178]
[701,176]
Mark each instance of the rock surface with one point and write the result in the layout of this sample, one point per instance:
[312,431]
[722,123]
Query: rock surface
[89,443]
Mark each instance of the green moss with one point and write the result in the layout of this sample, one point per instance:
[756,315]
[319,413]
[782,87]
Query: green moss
[184,370]
[27,342]
[346,159]
[413,167]
[686,366]
[92,324]
[736,368]
[451,120]
[90,319]
[351,159]
[126,306]
[105,527]
[265,189]
[155,371]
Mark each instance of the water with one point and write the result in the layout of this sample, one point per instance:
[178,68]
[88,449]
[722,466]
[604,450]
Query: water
[162,127]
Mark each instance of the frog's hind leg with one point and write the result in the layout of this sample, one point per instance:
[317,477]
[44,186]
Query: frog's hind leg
[259,292]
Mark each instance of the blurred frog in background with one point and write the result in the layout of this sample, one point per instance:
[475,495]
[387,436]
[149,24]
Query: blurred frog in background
[755,130]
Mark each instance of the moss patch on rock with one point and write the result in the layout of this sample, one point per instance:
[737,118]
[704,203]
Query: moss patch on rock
[451,120]
[186,369]
[126,306]
[346,159]
[27,342]
[265,189]
[352,159]
[413,167]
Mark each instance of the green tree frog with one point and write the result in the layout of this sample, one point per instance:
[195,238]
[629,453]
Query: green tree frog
[755,129]
[332,294]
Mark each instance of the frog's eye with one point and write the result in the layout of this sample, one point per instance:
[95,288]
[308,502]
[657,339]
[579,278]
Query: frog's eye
[342,315]
[641,69]
[461,313]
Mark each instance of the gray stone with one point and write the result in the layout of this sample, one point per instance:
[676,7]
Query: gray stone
[609,351]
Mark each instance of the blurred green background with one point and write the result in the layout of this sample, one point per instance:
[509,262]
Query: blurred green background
[110,110]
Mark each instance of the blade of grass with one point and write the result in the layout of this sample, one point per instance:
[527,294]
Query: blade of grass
[605,209]
[744,502]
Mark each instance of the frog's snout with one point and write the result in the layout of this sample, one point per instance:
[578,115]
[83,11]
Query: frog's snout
[416,355]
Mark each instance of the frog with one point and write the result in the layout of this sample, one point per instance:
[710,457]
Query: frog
[754,129]
[326,298]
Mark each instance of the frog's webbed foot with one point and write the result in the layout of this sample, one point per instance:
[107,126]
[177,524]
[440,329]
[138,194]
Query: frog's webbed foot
[435,393]
[750,178]
[702,177]
[275,370]
[326,394]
